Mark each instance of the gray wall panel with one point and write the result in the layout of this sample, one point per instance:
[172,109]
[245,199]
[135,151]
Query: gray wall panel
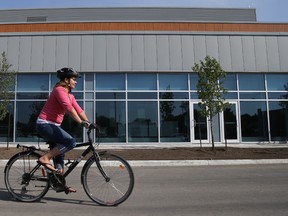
[212,46]
[74,52]
[125,53]
[261,53]
[187,52]
[225,53]
[25,54]
[62,51]
[283,53]
[175,53]
[249,53]
[49,56]
[236,53]
[37,53]
[200,48]
[3,44]
[100,53]
[86,53]
[163,53]
[243,53]
[273,54]
[112,45]
[13,52]
[150,52]
[138,53]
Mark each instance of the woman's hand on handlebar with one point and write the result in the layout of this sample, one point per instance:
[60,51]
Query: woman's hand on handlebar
[86,124]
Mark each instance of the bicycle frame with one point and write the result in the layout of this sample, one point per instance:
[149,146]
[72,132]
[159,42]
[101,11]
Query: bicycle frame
[74,164]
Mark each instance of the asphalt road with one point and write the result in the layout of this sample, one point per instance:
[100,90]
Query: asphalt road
[163,191]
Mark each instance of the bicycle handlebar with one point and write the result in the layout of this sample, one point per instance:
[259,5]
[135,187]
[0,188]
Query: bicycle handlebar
[91,127]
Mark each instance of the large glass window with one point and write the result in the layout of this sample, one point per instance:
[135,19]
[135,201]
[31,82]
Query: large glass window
[150,99]
[142,81]
[111,116]
[32,82]
[7,125]
[277,82]
[175,126]
[278,114]
[251,82]
[110,81]
[173,81]
[193,81]
[26,115]
[142,121]
[254,121]
[231,82]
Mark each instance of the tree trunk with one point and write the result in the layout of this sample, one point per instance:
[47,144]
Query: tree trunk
[212,137]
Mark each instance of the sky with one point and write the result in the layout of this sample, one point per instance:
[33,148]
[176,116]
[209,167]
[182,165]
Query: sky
[266,10]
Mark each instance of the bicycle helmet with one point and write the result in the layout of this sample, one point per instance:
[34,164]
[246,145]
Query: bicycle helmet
[67,73]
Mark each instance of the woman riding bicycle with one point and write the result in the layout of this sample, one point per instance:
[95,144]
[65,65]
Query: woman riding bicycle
[60,102]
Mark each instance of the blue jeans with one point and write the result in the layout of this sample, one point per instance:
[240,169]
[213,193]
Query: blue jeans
[64,141]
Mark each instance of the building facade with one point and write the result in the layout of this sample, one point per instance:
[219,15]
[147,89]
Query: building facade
[137,80]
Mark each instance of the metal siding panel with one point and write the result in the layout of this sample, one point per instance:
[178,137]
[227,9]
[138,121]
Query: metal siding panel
[236,53]
[3,44]
[100,59]
[25,53]
[86,53]
[62,51]
[212,46]
[162,53]
[249,58]
[175,52]
[225,53]
[112,44]
[283,53]
[187,52]
[150,53]
[125,53]
[49,58]
[261,53]
[13,52]
[138,53]
[200,48]
[74,54]
[273,54]
[37,53]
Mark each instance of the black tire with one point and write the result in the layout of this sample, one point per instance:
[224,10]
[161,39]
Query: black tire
[20,184]
[114,190]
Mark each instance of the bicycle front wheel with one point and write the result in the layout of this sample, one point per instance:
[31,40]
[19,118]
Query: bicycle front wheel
[110,182]
[23,183]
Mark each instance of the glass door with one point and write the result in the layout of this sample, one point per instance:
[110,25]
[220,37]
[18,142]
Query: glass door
[230,123]
[199,125]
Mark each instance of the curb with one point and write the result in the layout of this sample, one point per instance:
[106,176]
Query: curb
[175,163]
[171,163]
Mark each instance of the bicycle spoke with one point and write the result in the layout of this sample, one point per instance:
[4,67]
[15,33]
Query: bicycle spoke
[116,188]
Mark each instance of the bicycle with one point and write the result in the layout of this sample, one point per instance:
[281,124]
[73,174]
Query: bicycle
[107,178]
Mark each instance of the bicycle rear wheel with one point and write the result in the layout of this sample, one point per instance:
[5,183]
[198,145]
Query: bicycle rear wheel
[20,182]
[109,183]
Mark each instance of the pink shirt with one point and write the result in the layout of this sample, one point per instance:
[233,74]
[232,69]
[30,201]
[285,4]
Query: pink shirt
[58,103]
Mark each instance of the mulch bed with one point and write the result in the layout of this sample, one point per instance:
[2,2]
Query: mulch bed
[193,153]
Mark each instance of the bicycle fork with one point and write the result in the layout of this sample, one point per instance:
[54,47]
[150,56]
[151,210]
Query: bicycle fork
[102,171]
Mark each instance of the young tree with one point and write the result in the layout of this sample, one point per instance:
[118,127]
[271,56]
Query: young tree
[7,83]
[210,89]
